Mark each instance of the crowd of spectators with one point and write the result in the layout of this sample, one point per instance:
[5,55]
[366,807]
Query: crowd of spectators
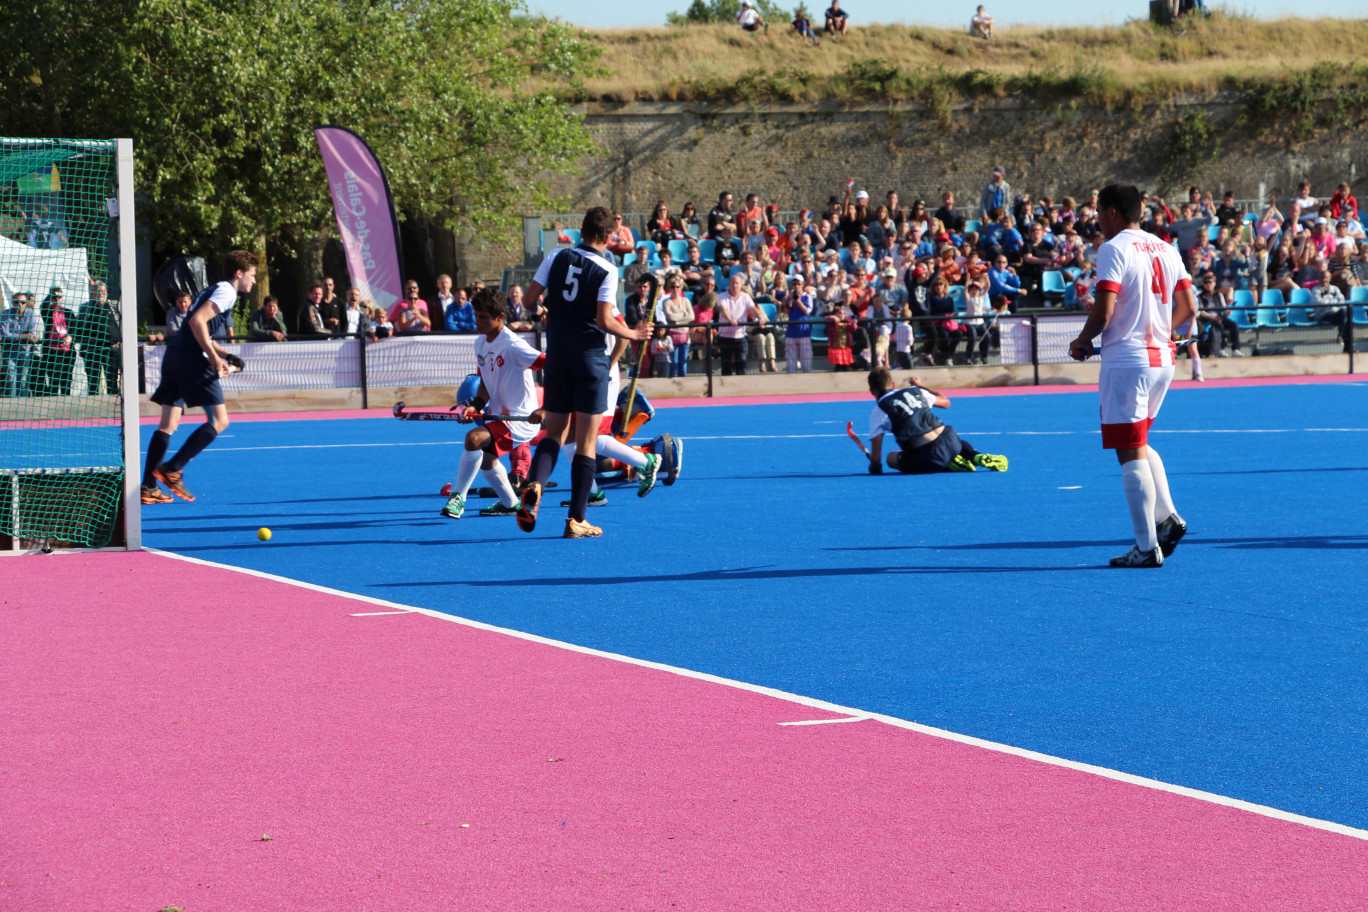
[42,343]
[894,283]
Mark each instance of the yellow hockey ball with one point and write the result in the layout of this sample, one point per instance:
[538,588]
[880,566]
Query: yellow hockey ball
[264,534]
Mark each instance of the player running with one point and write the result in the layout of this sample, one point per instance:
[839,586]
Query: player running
[1143,291]
[506,363]
[927,445]
[191,371]
[580,287]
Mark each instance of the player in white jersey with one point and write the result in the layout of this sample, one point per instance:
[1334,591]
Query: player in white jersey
[506,363]
[1143,291]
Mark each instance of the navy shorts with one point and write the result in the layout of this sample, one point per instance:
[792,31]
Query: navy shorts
[187,381]
[576,382]
[933,457]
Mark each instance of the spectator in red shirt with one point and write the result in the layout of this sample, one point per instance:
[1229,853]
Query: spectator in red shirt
[620,242]
[1341,199]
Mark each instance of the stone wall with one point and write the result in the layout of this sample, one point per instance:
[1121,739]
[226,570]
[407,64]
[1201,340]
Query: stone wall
[798,155]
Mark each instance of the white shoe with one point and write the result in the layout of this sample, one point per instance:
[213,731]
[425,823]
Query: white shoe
[1137,558]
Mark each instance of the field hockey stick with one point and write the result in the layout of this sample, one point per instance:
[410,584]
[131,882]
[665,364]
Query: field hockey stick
[850,429]
[1179,346]
[645,344]
[406,414]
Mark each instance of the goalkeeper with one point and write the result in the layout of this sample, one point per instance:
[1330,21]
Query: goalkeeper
[191,371]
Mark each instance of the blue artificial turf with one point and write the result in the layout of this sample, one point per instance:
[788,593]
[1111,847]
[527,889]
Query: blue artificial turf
[976,603]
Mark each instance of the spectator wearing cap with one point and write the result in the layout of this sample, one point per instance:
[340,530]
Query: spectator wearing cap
[798,306]
[854,215]
[893,296]
[837,22]
[620,241]
[57,369]
[981,326]
[997,193]
[1321,240]
[749,18]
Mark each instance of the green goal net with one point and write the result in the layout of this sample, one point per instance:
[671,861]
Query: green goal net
[63,344]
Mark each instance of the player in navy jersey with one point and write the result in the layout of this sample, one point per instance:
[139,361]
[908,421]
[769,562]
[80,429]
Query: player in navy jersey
[191,370]
[927,444]
[580,286]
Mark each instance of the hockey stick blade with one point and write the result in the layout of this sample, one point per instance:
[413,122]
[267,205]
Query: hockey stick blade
[850,429]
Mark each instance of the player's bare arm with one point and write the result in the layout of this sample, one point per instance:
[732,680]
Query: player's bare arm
[1184,305]
[942,401]
[876,454]
[1080,349]
[610,324]
[199,328]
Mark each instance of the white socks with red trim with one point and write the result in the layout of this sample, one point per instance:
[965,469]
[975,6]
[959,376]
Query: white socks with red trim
[610,447]
[1163,501]
[466,470]
[498,480]
[1138,482]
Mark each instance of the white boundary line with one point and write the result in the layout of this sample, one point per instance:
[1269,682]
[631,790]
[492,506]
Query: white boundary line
[851,715]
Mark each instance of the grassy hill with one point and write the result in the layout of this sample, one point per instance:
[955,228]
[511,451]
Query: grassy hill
[1285,61]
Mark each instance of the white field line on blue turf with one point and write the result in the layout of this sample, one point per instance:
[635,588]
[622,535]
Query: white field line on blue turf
[967,433]
[849,714]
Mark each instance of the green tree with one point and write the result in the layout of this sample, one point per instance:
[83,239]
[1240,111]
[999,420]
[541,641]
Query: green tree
[221,97]
[706,11]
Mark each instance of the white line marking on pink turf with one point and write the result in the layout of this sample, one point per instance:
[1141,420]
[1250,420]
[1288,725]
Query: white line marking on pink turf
[371,614]
[1117,775]
[827,721]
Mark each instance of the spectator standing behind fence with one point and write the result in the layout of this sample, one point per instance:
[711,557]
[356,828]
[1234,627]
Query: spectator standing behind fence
[175,317]
[837,21]
[59,358]
[981,26]
[100,338]
[265,324]
[310,316]
[799,304]
[459,315]
[330,309]
[445,298]
[705,311]
[661,351]
[20,331]
[678,313]
[997,194]
[356,318]
[411,314]
[734,307]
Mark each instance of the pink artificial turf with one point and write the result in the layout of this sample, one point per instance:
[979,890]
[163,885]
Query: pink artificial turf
[160,718]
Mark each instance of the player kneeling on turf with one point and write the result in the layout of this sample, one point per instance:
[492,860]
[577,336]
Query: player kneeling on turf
[506,363]
[927,445]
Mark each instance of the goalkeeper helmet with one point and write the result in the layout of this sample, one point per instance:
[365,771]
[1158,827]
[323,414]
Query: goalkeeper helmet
[467,390]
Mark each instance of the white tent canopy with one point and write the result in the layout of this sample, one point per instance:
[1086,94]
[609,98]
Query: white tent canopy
[23,268]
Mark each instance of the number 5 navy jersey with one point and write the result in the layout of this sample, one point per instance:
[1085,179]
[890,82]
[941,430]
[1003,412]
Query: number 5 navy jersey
[576,280]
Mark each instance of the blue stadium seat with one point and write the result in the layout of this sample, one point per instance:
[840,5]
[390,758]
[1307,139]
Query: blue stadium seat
[1300,297]
[1052,284]
[972,224]
[689,295]
[957,292]
[1213,231]
[1360,314]
[679,250]
[819,331]
[707,250]
[1271,310]
[1300,316]
[628,259]
[1243,318]
[771,312]
[1358,294]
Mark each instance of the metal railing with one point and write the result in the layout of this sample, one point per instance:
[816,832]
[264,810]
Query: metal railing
[444,359]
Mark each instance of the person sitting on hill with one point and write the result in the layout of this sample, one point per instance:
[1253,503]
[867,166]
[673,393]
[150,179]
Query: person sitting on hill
[981,26]
[837,22]
[803,26]
[750,18]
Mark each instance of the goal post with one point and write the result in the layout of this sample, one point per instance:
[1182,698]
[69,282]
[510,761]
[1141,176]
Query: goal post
[69,442]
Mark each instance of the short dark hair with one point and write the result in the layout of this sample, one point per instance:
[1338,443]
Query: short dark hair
[270,299]
[1124,198]
[488,301]
[880,379]
[239,261]
[597,225]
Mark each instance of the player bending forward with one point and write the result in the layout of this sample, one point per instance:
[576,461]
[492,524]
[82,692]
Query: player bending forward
[927,445]
[191,370]
[1143,291]
[506,363]
[580,288]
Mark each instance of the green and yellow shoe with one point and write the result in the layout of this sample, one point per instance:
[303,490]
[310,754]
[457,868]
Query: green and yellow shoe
[454,507]
[960,464]
[499,510]
[646,476]
[991,461]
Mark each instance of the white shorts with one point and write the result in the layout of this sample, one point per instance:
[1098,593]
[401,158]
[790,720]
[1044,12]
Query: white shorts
[1130,398]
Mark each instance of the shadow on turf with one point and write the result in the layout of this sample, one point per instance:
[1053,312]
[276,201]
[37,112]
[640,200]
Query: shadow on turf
[741,574]
[1310,542]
